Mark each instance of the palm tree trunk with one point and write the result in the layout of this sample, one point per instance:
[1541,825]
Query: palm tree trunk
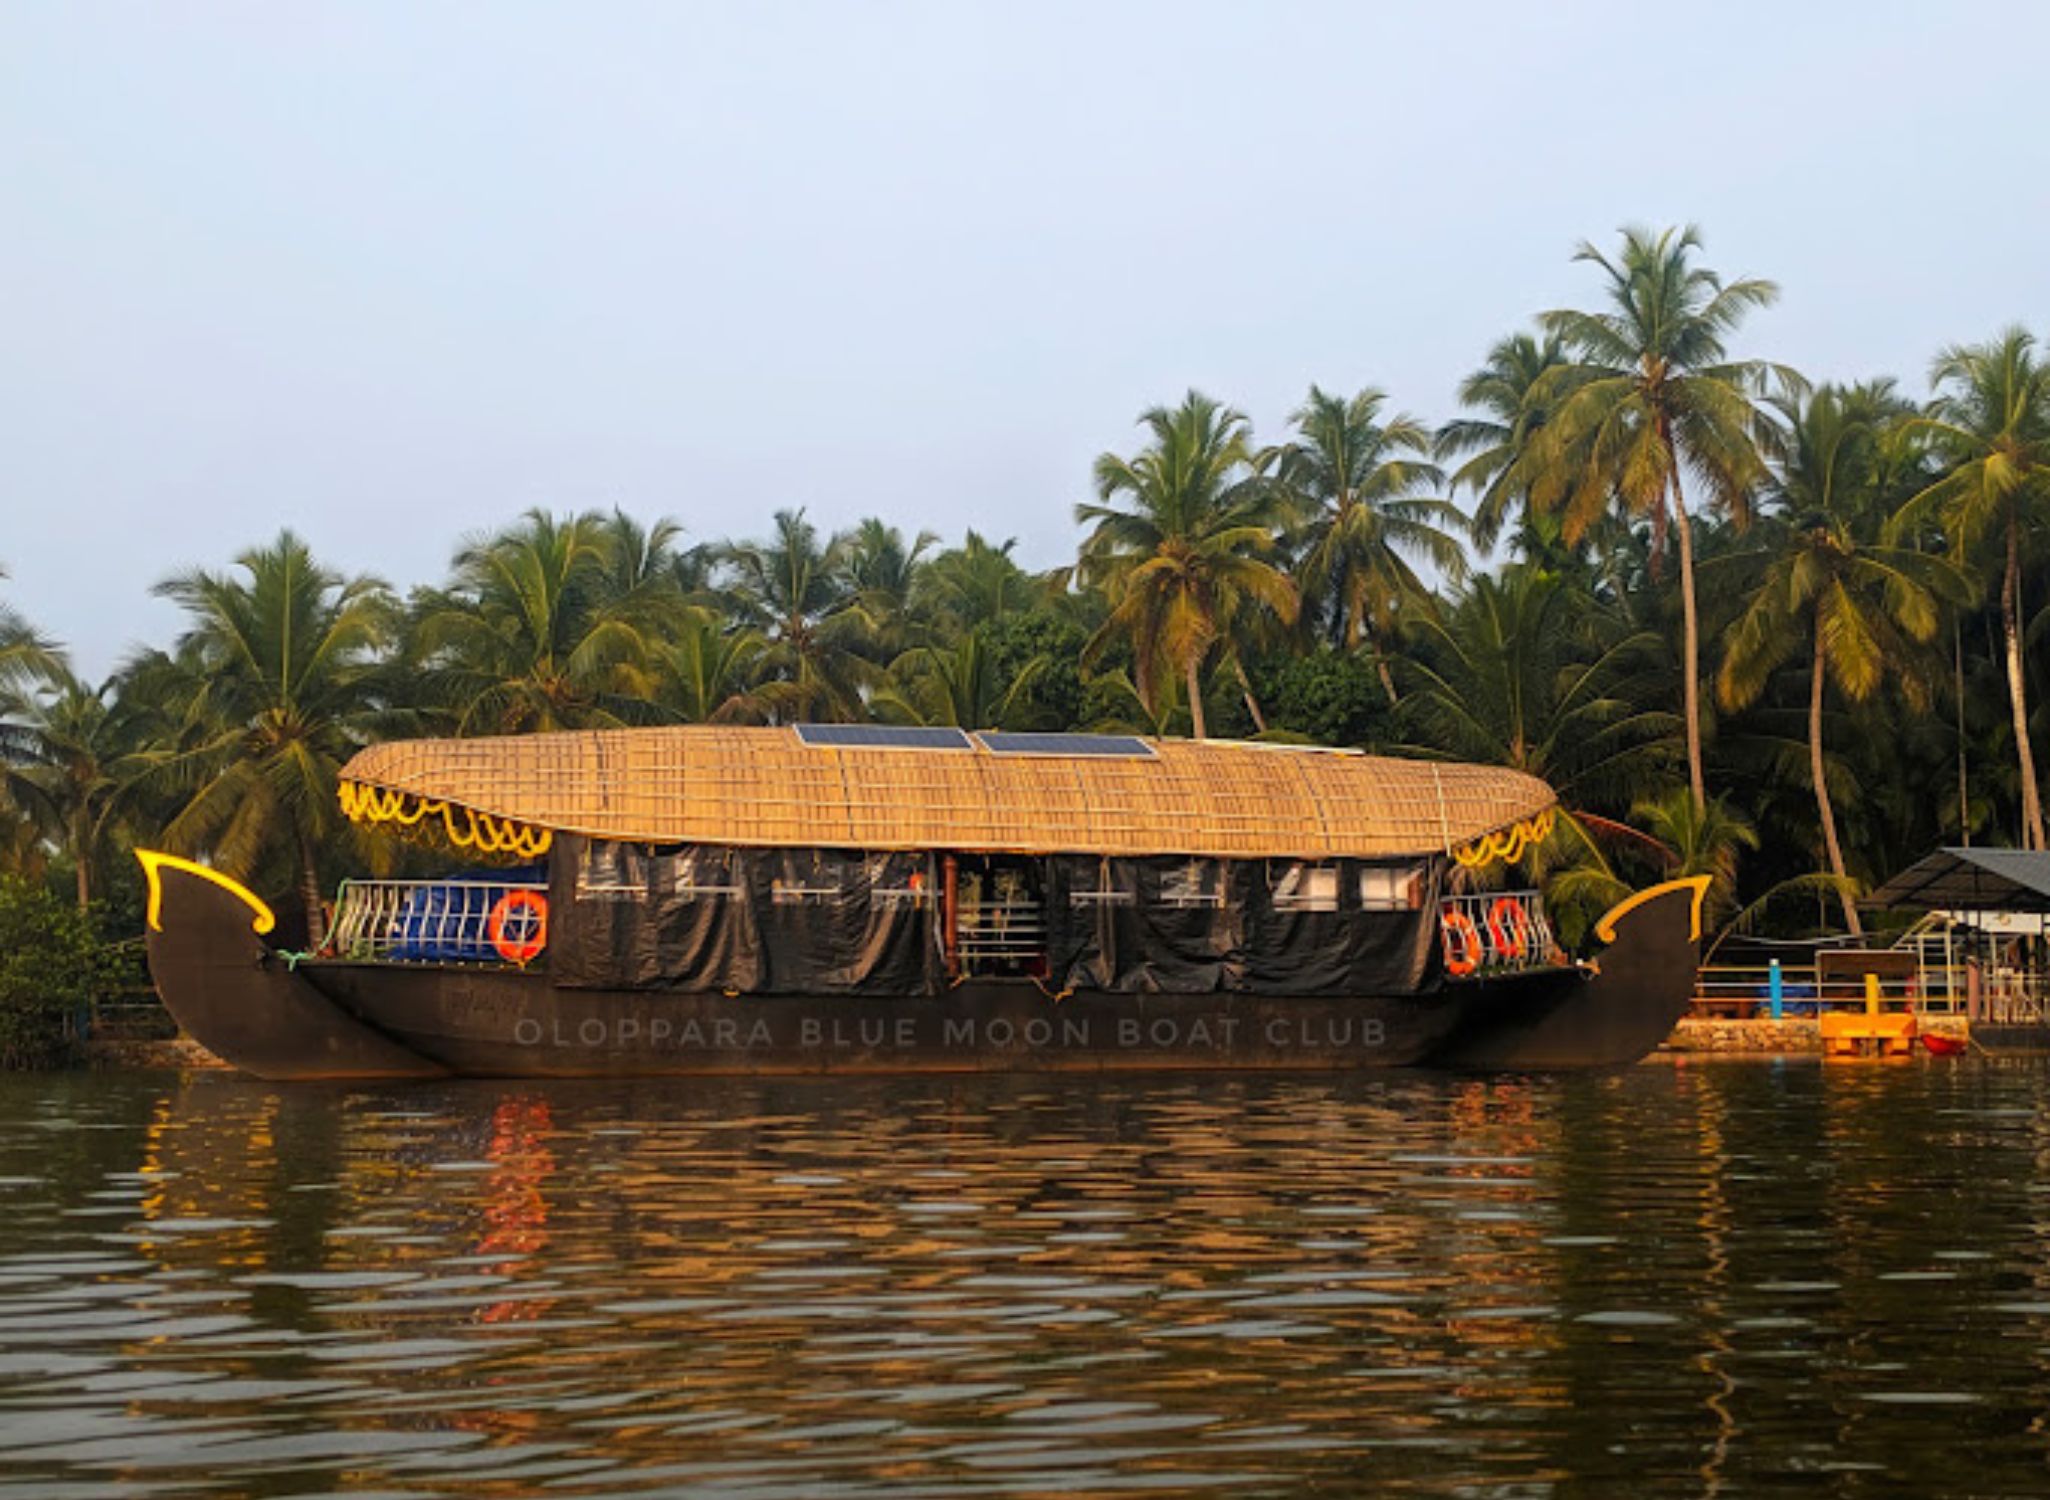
[82,855]
[1690,682]
[1373,639]
[1246,690]
[1195,687]
[1820,776]
[309,896]
[2017,690]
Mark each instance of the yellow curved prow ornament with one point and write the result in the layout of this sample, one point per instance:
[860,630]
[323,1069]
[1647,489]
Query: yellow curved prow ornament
[1605,928]
[153,862]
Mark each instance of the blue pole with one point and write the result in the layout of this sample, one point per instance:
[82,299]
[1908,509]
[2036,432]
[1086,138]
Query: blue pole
[1779,991]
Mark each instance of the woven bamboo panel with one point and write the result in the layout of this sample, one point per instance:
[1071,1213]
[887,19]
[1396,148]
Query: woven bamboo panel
[752,786]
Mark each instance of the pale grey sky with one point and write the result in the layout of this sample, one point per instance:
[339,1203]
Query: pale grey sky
[390,272]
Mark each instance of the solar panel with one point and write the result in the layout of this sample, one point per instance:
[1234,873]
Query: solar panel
[883,737]
[1006,742]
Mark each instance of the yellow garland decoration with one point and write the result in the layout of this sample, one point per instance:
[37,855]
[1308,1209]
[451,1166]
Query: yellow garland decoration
[465,826]
[1505,844]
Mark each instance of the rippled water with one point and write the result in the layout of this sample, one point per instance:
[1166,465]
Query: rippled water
[1677,1280]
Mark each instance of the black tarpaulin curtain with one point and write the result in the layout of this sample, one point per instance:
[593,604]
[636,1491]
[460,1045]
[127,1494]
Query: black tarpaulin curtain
[822,921]
[750,921]
[1144,926]
[1265,927]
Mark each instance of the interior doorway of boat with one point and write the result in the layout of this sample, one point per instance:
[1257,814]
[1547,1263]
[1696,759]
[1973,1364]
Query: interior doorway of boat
[995,919]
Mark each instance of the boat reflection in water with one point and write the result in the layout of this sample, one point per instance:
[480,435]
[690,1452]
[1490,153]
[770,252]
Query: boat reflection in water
[1662,1281]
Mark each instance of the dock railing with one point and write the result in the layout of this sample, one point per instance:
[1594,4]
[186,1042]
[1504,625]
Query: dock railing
[1790,991]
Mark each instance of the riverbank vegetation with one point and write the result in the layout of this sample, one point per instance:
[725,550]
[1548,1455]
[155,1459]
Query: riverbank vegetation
[1787,633]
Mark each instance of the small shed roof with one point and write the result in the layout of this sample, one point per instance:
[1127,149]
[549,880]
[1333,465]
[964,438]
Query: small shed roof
[1971,880]
[715,784]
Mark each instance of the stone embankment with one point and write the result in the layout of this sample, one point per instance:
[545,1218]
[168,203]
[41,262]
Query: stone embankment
[1767,1036]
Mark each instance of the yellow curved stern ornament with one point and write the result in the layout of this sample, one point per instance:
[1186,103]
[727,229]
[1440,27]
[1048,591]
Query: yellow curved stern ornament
[153,863]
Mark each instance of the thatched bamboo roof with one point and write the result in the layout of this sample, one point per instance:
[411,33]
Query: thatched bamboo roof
[765,787]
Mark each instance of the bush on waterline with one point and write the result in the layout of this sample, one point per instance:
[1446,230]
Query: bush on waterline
[50,968]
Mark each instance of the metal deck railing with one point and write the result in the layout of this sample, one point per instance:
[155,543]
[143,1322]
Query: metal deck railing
[1794,991]
[426,921]
[1007,931]
[1498,932]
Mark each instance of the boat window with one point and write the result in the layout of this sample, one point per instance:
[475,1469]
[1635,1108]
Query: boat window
[1200,882]
[821,885]
[1102,893]
[705,873]
[612,872]
[1306,888]
[1400,888]
[910,888]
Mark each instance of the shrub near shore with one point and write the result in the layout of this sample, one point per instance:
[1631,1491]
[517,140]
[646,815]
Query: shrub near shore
[52,965]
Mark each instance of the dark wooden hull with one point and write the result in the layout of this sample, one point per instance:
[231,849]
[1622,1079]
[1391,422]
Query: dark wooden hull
[1640,987]
[502,1022]
[326,1019]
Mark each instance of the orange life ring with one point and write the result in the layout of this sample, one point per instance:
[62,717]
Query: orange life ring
[520,950]
[1462,943]
[1509,926]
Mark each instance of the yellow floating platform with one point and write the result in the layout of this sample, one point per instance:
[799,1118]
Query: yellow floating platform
[1846,1033]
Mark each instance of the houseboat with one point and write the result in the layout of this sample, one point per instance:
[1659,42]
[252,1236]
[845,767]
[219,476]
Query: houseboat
[839,898]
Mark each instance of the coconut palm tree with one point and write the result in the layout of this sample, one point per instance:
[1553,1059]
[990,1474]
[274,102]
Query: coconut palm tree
[976,583]
[1991,421]
[1186,554]
[1113,704]
[275,678]
[75,765]
[708,668]
[25,660]
[1524,669]
[1513,393]
[1821,584]
[1702,839]
[547,625]
[25,656]
[884,571]
[1651,392]
[648,575]
[797,590]
[1355,479]
[956,684]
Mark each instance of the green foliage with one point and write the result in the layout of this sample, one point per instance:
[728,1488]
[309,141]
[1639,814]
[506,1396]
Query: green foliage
[1327,697]
[1052,696]
[1185,562]
[1651,394]
[272,690]
[798,590]
[1991,420]
[545,626]
[1527,670]
[51,969]
[1865,581]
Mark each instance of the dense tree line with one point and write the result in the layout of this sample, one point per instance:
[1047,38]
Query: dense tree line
[1790,634]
